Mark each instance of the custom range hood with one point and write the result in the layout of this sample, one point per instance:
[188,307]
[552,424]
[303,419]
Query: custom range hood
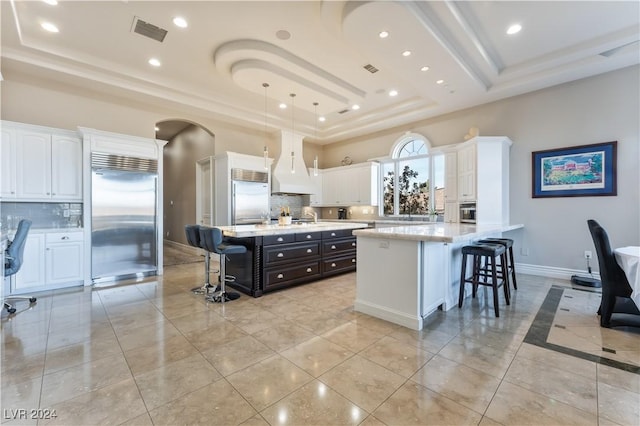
[283,180]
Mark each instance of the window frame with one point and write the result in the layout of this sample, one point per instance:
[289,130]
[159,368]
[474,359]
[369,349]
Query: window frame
[395,159]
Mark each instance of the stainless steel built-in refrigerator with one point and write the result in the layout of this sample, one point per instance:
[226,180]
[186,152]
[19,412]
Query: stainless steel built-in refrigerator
[123,217]
[250,196]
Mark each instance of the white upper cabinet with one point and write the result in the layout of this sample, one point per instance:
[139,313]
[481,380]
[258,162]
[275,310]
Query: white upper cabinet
[8,164]
[66,168]
[467,173]
[315,198]
[450,176]
[355,185]
[33,163]
[40,164]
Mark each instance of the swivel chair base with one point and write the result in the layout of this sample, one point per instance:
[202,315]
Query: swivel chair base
[12,309]
[221,297]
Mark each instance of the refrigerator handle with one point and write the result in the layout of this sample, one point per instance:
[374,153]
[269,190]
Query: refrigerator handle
[233,203]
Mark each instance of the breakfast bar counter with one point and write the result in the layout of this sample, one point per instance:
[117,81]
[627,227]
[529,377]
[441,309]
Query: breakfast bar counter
[406,272]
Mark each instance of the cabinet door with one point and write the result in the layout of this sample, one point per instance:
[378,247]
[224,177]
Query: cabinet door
[367,185]
[450,177]
[63,262]
[451,212]
[330,188]
[33,165]
[66,168]
[8,164]
[31,274]
[316,198]
[467,173]
[348,187]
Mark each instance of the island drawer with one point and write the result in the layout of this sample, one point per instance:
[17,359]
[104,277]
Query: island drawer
[333,247]
[339,265]
[283,276]
[308,236]
[286,252]
[337,233]
[278,239]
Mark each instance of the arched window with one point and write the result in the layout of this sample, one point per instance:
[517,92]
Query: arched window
[408,179]
[410,145]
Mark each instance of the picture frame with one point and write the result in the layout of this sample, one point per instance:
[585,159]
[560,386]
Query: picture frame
[575,171]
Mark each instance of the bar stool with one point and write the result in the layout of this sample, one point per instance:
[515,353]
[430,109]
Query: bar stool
[213,242]
[193,238]
[511,265]
[484,253]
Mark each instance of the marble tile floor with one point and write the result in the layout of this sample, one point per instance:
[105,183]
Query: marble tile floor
[150,352]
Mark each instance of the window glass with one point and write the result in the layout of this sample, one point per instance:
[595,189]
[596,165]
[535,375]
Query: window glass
[412,180]
[413,186]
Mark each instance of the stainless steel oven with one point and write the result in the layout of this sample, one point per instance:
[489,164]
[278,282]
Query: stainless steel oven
[468,212]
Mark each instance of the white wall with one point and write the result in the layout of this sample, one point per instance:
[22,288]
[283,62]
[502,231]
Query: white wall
[598,109]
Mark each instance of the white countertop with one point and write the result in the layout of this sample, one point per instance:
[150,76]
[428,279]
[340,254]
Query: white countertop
[436,232]
[241,231]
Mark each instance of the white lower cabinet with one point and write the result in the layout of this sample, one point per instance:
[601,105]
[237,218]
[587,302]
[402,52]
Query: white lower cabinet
[31,273]
[51,260]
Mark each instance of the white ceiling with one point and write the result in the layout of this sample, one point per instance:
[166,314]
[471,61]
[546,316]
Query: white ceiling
[216,66]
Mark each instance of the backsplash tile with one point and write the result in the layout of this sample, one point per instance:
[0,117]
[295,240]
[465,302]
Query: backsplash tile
[43,215]
[294,202]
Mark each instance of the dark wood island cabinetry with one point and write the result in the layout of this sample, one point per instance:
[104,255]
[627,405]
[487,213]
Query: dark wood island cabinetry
[279,257]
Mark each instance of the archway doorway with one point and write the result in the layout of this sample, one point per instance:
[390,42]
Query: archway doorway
[189,143]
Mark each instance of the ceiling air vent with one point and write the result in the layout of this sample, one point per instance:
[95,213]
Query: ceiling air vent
[371,68]
[148,30]
[343,111]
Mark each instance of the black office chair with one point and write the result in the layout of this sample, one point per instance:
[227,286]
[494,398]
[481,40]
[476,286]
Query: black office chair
[13,256]
[617,309]
[212,241]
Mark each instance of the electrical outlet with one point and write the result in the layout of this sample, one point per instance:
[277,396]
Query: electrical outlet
[587,254]
[524,251]
[330,211]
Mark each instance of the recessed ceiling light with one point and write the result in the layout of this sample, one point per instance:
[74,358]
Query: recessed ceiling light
[425,68]
[48,26]
[157,129]
[355,107]
[383,34]
[322,119]
[393,93]
[514,29]
[51,2]
[439,81]
[179,21]
[154,62]
[283,34]
[283,106]
[406,53]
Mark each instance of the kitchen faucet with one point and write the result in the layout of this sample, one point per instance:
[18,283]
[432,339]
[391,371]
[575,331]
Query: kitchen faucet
[314,215]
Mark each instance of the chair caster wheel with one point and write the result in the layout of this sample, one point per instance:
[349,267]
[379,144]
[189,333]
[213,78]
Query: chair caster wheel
[32,300]
[11,310]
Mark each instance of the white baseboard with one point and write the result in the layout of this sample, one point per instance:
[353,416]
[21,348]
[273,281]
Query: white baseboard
[396,317]
[184,247]
[551,271]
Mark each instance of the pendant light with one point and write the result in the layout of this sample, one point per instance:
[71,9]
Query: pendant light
[315,160]
[265,150]
[293,131]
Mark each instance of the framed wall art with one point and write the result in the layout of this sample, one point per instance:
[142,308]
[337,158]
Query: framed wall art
[575,171]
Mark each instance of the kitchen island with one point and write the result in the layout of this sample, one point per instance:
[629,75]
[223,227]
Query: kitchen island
[281,256]
[407,272]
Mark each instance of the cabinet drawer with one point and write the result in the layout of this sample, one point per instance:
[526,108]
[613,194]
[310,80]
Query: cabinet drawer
[287,252]
[62,237]
[337,233]
[333,247]
[338,265]
[278,239]
[283,276]
[308,236]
